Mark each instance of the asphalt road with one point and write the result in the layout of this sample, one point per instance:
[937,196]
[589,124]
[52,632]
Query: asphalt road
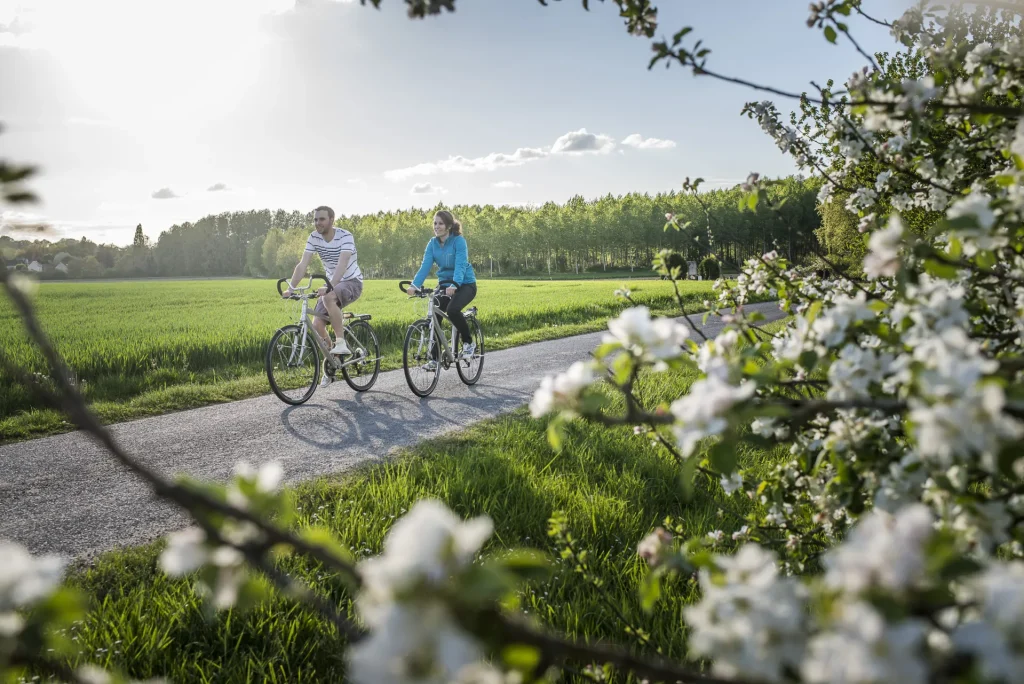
[67,494]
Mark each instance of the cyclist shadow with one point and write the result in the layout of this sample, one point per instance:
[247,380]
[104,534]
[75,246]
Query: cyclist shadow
[381,420]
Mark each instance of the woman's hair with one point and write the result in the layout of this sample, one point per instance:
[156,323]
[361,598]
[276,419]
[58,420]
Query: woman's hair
[454,227]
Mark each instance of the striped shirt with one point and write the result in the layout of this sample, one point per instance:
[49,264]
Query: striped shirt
[330,252]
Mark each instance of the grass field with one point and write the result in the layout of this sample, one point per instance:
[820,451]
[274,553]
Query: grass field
[612,486]
[142,348]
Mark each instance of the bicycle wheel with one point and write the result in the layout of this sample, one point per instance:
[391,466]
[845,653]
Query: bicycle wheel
[415,356]
[293,364]
[470,369]
[361,339]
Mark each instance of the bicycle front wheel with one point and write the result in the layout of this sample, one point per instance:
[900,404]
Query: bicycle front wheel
[470,369]
[416,358]
[362,373]
[293,364]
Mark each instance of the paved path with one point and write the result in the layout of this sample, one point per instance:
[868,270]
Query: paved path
[66,494]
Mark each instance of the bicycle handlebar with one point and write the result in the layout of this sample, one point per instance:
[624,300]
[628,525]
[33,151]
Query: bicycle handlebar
[403,285]
[280,292]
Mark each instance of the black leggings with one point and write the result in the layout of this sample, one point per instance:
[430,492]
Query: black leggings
[453,306]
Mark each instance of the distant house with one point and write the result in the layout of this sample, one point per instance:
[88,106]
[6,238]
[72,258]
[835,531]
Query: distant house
[62,267]
[36,267]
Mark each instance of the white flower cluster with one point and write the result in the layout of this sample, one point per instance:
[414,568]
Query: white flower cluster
[758,624]
[24,579]
[189,549]
[414,637]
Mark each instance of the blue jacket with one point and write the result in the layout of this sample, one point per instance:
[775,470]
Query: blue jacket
[452,259]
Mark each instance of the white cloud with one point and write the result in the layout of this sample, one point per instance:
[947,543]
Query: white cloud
[495,160]
[581,142]
[574,143]
[641,143]
[507,184]
[217,187]
[26,226]
[164,193]
[427,189]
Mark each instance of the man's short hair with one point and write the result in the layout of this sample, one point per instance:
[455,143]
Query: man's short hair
[330,212]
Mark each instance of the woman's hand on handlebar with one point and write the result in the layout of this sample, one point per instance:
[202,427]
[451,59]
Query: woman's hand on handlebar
[412,291]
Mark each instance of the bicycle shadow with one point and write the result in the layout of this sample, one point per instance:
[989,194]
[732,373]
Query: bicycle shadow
[381,420]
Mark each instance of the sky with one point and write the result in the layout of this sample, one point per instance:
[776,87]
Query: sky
[163,111]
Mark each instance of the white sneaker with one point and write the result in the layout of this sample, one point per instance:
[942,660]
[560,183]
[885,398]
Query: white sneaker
[326,380]
[468,350]
[340,347]
[430,366]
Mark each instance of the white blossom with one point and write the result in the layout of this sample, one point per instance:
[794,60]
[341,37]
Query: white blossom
[562,392]
[752,623]
[882,550]
[863,649]
[701,413]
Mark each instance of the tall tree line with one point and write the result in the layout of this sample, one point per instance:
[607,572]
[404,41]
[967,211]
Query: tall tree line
[579,236]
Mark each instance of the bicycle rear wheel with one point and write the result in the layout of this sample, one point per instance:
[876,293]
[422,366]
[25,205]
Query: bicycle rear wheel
[293,364]
[361,338]
[415,357]
[470,369]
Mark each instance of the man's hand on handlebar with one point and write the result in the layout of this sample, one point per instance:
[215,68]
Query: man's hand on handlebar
[412,290]
[287,293]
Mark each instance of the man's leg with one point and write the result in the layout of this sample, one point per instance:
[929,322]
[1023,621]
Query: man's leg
[320,325]
[334,312]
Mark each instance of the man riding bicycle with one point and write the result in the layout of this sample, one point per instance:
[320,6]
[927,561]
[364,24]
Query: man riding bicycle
[337,250]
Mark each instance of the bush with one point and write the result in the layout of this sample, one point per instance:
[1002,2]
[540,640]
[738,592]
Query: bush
[709,269]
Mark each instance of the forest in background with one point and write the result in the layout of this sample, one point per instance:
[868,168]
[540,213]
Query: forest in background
[577,237]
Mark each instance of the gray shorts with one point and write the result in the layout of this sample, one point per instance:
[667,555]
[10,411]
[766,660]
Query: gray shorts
[345,292]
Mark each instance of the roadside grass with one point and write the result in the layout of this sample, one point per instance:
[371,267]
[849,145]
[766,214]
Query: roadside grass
[612,486]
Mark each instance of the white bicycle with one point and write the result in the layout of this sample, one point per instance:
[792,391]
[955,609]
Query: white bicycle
[420,360]
[293,355]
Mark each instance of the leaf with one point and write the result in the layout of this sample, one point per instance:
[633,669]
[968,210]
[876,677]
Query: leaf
[752,199]
[556,434]
[723,456]
[650,590]
[985,259]
[830,34]
[521,657]
[940,269]
[525,564]
[686,478]
[813,310]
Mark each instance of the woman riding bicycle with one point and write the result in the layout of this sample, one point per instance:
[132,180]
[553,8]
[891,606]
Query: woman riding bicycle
[448,250]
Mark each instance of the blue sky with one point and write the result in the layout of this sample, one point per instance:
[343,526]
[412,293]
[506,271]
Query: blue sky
[136,110]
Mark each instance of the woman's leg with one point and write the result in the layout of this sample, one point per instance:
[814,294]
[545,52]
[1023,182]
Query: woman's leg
[463,296]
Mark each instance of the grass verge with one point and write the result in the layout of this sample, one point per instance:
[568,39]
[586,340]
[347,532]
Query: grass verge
[612,486]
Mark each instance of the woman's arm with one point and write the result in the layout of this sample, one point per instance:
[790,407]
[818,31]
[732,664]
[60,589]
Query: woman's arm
[461,260]
[428,262]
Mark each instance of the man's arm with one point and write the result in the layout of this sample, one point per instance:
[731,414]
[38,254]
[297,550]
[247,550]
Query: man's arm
[300,269]
[343,261]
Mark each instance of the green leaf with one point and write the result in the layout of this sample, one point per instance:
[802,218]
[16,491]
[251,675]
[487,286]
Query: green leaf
[622,368]
[723,456]
[525,564]
[813,310]
[985,259]
[556,433]
[521,657]
[830,34]
[607,348]
[650,590]
[752,199]
[689,467]
[956,248]
[808,359]
[940,269]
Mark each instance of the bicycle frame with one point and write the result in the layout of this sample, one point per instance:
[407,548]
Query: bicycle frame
[305,322]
